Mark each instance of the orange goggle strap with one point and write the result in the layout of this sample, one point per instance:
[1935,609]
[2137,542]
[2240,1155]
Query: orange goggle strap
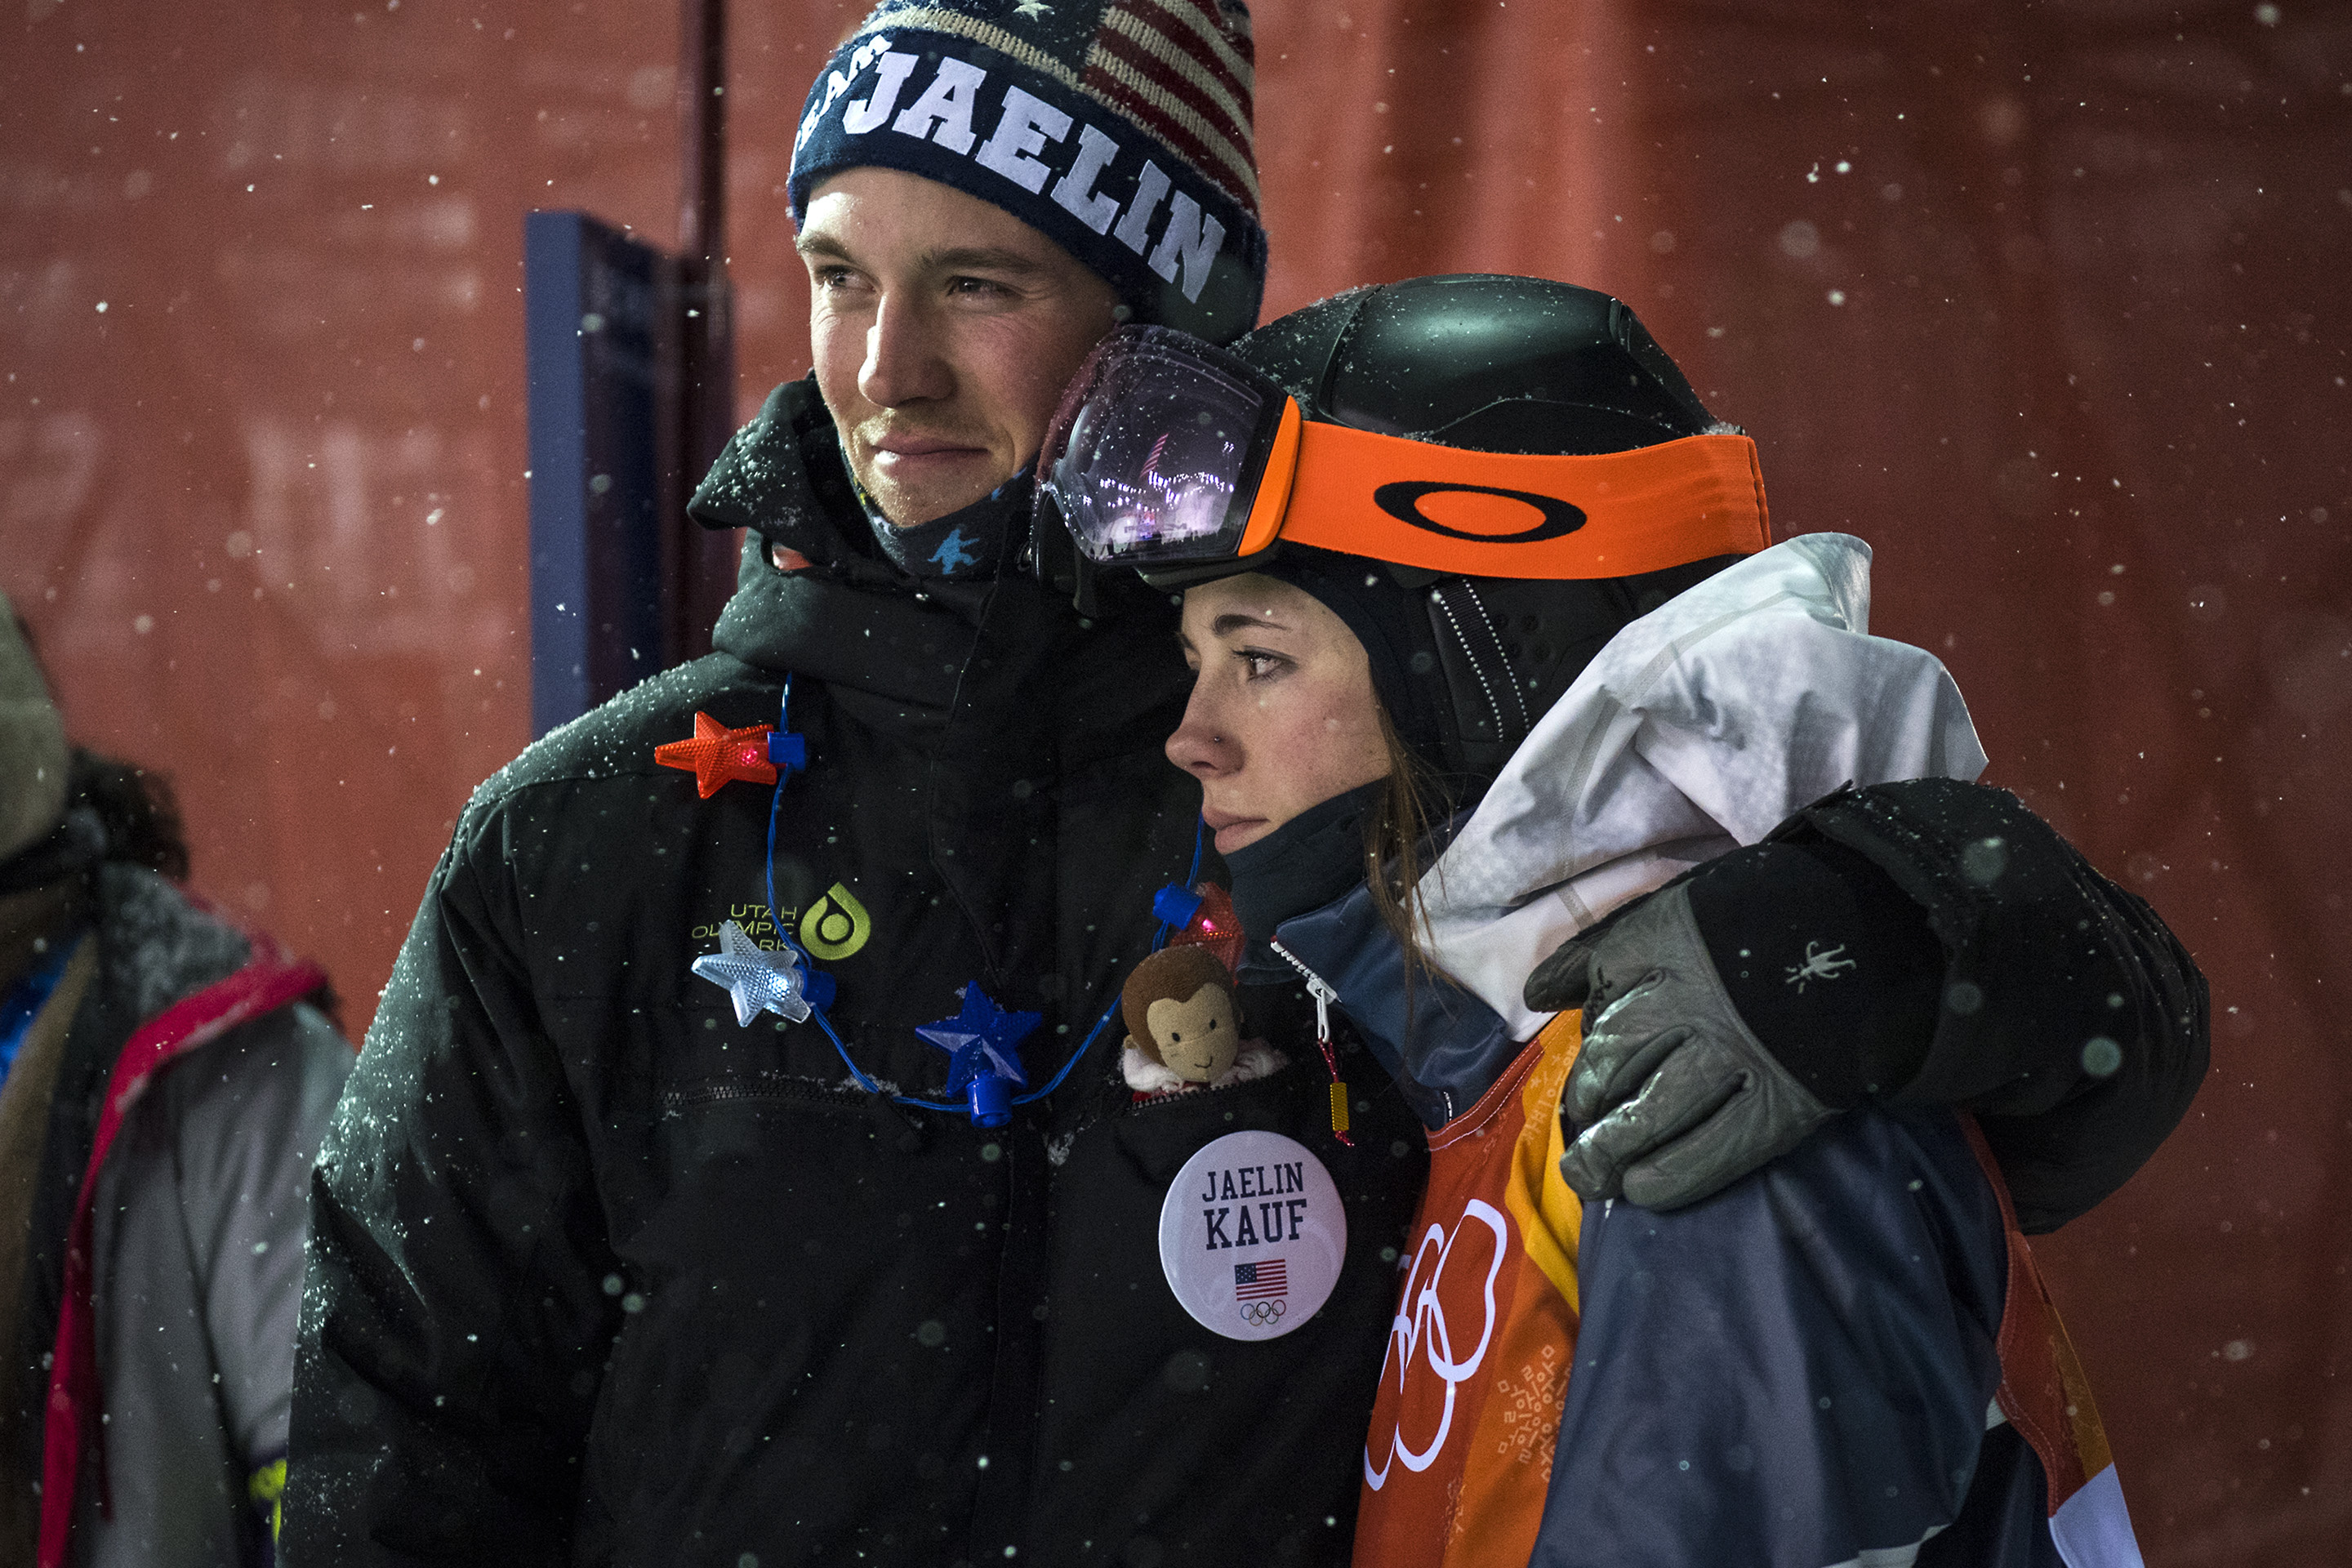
[1488,514]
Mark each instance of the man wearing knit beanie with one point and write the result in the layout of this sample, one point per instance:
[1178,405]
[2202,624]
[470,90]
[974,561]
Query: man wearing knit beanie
[669,1217]
[984,189]
[1120,131]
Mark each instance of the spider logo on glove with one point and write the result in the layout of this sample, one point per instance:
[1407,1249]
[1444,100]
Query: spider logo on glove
[1819,965]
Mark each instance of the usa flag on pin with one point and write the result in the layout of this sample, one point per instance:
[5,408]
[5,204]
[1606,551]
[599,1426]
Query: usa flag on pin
[1260,1281]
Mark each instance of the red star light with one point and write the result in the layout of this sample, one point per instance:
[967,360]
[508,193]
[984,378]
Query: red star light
[719,755]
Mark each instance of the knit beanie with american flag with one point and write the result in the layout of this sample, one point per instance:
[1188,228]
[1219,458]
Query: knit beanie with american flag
[1120,128]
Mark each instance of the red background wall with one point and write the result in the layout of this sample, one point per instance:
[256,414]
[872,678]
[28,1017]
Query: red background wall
[2046,300]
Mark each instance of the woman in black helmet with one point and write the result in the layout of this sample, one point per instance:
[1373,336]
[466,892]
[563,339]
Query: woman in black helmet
[1473,542]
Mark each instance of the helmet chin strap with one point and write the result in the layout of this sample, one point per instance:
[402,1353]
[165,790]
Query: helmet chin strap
[1471,655]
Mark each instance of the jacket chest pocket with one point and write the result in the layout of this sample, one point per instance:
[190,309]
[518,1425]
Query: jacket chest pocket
[711,1060]
[1117,1172]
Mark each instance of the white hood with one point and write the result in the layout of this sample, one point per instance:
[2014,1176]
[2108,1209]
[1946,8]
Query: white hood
[1700,727]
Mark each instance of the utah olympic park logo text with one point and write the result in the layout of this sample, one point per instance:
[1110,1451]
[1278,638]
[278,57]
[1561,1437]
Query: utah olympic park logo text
[1421,1332]
[1554,517]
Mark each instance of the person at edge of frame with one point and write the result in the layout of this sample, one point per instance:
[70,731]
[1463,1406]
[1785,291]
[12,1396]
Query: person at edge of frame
[597,1274]
[1734,857]
[165,1076]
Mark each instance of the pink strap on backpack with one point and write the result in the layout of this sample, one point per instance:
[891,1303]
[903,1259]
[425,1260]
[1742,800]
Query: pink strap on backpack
[272,978]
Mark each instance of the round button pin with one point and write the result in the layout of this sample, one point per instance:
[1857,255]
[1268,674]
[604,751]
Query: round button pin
[1252,1235]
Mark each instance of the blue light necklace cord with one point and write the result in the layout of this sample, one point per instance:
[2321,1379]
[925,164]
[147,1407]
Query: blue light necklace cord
[1159,941]
[775,811]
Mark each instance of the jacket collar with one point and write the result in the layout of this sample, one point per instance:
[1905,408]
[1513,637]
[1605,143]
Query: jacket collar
[1104,685]
[782,476]
[853,618]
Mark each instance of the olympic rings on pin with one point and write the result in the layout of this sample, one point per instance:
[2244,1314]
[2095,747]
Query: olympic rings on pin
[1261,1313]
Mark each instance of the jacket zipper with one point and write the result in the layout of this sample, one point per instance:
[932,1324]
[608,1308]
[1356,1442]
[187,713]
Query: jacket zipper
[1322,990]
[815,1094]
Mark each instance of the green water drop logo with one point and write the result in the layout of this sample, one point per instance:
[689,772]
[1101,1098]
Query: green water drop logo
[836,925]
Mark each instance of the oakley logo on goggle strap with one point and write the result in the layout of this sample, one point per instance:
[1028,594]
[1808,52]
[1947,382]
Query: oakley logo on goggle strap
[1403,500]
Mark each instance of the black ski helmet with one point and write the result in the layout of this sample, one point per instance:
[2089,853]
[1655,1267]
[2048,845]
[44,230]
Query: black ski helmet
[1491,363]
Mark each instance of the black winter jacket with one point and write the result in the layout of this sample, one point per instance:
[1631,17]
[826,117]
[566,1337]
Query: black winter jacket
[597,1275]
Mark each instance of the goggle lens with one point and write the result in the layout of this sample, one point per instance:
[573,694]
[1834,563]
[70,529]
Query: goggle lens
[1168,453]
[1149,453]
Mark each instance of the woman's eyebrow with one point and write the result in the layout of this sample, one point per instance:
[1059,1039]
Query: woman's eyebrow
[1233,621]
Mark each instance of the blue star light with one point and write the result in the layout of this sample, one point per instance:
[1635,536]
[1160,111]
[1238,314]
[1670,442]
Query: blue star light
[762,979]
[983,1045]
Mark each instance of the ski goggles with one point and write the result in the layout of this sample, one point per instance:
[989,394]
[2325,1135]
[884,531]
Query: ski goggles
[1171,455]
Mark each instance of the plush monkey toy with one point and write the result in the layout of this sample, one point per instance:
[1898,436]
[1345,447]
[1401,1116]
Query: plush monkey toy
[1184,1021]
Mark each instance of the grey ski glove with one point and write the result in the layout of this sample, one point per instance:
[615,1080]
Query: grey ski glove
[1676,1097]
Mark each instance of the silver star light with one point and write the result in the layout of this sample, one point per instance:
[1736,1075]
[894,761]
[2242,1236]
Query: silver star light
[760,979]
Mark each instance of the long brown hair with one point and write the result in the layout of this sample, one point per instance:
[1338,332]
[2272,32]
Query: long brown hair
[1396,837]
